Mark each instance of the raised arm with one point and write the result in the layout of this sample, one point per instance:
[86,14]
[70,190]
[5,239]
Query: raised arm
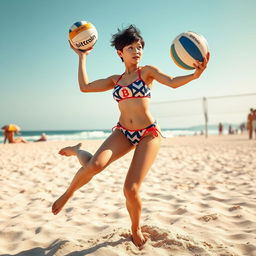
[178,81]
[84,84]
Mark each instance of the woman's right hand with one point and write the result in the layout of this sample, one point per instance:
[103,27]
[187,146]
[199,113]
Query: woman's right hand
[80,53]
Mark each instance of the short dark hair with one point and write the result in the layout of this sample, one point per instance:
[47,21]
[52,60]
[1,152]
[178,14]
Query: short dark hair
[126,37]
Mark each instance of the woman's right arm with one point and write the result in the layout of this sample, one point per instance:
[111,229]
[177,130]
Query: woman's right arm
[100,85]
[84,84]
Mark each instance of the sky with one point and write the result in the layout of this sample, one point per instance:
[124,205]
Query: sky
[38,70]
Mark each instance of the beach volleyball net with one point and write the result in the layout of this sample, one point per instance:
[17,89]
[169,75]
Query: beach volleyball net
[186,113]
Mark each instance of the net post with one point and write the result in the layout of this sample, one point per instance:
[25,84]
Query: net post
[205,116]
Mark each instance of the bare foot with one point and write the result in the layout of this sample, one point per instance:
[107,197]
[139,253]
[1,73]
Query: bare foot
[70,151]
[59,203]
[138,238]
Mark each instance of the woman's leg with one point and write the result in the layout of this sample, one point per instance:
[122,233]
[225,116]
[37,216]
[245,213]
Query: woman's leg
[20,140]
[82,155]
[144,156]
[250,130]
[115,146]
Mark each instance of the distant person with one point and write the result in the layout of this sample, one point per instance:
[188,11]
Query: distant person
[220,128]
[43,137]
[242,128]
[254,122]
[250,123]
[230,129]
[9,136]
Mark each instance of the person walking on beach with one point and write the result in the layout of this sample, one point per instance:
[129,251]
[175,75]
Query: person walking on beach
[254,122]
[242,127]
[250,123]
[136,130]
[220,128]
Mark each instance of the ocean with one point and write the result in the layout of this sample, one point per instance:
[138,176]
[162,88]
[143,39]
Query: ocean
[61,135]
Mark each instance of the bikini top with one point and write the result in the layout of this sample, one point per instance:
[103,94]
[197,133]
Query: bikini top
[137,89]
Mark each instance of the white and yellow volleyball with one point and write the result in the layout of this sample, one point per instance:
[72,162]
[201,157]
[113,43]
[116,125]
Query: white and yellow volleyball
[187,48]
[83,35]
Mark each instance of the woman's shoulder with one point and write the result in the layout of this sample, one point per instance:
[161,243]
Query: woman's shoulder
[114,78]
[147,74]
[148,68]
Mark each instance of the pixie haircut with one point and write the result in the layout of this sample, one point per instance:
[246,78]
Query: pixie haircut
[126,37]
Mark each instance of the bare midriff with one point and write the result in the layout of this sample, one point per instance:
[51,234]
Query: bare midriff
[135,113]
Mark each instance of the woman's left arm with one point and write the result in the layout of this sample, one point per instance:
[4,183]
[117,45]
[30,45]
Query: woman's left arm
[178,81]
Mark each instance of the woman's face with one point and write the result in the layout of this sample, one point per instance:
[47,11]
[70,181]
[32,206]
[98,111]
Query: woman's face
[132,53]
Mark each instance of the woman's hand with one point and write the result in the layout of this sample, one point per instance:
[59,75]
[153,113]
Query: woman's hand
[201,66]
[80,53]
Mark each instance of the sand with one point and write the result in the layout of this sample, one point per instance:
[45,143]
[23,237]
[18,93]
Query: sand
[198,199]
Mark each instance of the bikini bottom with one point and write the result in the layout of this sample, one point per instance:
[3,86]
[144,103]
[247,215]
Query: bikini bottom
[135,136]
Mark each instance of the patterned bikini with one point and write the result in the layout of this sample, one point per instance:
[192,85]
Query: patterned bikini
[137,89]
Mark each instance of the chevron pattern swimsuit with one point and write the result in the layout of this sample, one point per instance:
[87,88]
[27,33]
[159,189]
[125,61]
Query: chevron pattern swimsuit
[137,89]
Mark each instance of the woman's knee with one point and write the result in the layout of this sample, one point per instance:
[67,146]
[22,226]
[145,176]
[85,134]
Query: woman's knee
[84,157]
[95,166]
[131,191]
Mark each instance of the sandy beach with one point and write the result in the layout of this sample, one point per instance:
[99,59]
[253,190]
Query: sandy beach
[198,199]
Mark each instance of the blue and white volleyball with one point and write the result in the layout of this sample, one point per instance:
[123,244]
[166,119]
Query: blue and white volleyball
[83,35]
[187,48]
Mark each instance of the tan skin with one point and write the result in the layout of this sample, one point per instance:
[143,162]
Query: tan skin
[250,123]
[9,136]
[134,114]
[254,122]
[43,137]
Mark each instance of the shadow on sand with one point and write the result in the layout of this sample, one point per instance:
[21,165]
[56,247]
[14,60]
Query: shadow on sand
[58,245]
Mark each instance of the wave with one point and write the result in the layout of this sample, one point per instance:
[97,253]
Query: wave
[64,135]
[60,135]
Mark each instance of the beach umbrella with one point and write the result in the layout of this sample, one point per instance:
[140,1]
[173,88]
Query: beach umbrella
[11,128]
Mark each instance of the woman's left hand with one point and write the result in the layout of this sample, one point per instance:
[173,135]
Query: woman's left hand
[201,66]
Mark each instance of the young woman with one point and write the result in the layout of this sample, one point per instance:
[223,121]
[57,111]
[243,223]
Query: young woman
[136,130]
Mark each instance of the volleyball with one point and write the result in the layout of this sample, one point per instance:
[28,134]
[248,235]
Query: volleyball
[187,48]
[83,35]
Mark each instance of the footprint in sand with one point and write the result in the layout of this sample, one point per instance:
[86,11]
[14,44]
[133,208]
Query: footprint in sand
[234,207]
[70,209]
[179,211]
[159,238]
[209,217]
